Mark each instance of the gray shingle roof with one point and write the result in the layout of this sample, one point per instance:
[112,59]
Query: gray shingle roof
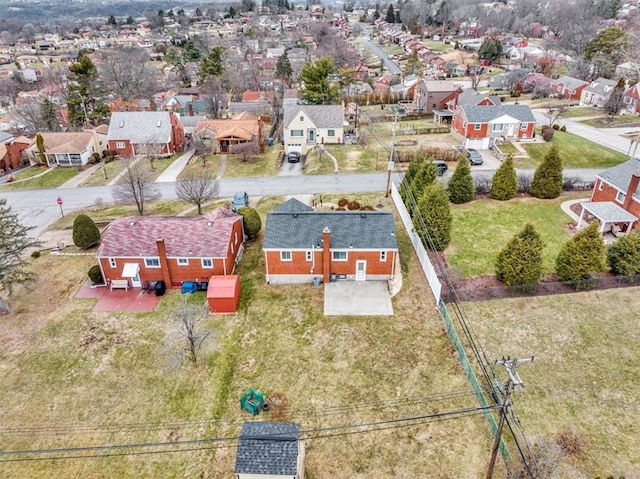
[569,82]
[140,126]
[484,114]
[601,86]
[322,116]
[620,176]
[268,448]
[294,225]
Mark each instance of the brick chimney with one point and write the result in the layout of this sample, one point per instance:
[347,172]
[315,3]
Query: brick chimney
[326,254]
[164,264]
[633,187]
[190,109]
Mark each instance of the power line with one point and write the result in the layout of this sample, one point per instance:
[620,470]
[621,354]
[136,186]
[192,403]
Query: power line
[310,434]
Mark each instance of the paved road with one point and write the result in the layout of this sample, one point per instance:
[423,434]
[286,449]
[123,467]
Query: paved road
[609,137]
[39,209]
[388,63]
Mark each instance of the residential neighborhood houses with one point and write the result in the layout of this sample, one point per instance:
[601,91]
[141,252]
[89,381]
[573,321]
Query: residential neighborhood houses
[315,200]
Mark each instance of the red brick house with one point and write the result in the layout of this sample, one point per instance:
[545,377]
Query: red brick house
[461,98]
[301,244]
[631,100]
[615,198]
[568,87]
[433,95]
[481,126]
[157,133]
[11,151]
[172,249]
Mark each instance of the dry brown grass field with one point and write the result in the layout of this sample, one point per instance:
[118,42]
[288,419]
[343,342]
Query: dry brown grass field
[71,377]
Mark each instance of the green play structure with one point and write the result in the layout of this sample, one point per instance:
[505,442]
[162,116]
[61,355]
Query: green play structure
[251,401]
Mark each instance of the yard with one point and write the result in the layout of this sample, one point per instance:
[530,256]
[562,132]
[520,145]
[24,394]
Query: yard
[482,227]
[39,178]
[584,379]
[72,377]
[576,152]
[260,165]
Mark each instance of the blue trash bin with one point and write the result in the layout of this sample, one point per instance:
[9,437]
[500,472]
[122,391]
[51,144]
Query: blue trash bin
[189,287]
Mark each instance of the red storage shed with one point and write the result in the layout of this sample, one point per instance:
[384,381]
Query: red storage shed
[223,293]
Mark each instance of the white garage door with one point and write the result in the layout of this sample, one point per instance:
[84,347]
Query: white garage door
[478,144]
[294,148]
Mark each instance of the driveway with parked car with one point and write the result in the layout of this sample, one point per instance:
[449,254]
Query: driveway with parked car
[292,164]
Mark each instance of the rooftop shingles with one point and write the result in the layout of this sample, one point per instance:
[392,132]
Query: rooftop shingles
[140,127]
[322,116]
[620,176]
[484,114]
[268,448]
[205,236]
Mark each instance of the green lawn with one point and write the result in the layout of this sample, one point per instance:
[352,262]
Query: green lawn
[261,165]
[34,179]
[584,378]
[119,379]
[436,46]
[576,152]
[482,227]
[580,111]
[619,121]
[508,149]
[112,169]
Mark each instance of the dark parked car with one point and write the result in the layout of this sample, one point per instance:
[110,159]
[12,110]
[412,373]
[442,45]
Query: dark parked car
[293,157]
[240,200]
[475,158]
[442,166]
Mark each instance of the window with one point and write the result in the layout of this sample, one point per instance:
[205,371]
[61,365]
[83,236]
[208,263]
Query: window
[309,255]
[183,261]
[112,262]
[331,132]
[497,127]
[297,133]
[383,256]
[600,185]
[285,255]
[477,126]
[620,197]
[339,255]
[301,118]
[153,262]
[626,100]
[235,237]
[524,126]
[120,145]
[207,262]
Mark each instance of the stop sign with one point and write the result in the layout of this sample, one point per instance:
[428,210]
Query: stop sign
[59,200]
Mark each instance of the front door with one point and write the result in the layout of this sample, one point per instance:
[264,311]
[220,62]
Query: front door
[361,270]
[312,136]
[135,280]
[510,129]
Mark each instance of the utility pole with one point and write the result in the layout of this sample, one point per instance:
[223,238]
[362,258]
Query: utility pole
[391,162]
[513,381]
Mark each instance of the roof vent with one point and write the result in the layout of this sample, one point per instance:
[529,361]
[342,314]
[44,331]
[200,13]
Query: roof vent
[209,223]
[362,215]
[159,123]
[132,223]
[121,125]
[295,215]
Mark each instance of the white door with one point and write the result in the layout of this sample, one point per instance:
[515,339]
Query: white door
[361,270]
[510,130]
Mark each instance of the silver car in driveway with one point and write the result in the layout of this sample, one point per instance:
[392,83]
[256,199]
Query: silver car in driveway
[475,158]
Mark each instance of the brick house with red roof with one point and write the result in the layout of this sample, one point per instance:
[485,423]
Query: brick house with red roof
[171,249]
[631,100]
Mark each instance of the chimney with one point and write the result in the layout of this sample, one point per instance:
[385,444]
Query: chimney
[164,264]
[190,109]
[326,254]
[631,190]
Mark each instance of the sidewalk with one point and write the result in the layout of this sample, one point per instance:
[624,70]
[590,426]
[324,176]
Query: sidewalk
[81,177]
[171,173]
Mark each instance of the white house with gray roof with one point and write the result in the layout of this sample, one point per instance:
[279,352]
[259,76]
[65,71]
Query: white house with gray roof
[598,92]
[306,126]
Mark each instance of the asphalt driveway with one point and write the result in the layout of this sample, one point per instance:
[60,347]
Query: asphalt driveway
[357,298]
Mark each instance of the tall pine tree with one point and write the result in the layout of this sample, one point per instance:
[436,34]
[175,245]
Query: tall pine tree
[582,256]
[547,180]
[435,210]
[461,186]
[391,15]
[520,260]
[505,181]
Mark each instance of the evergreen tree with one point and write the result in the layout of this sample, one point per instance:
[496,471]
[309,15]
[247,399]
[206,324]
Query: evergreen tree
[232,12]
[582,256]
[435,210]
[83,103]
[48,112]
[130,20]
[520,260]
[405,186]
[212,64]
[14,241]
[413,63]
[112,20]
[376,12]
[505,181]
[283,68]
[547,180]
[315,77]
[615,102]
[85,232]
[391,15]
[198,12]
[424,176]
[623,256]
[251,220]
[491,49]
[461,187]
[41,150]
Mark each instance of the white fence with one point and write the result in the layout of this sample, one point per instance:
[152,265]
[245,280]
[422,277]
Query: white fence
[421,252]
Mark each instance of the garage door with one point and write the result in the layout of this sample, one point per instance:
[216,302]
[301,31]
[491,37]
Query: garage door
[294,148]
[478,144]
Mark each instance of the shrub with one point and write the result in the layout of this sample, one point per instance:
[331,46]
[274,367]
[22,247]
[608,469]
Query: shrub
[95,158]
[555,126]
[571,183]
[547,180]
[563,128]
[95,274]
[547,134]
[505,181]
[571,443]
[342,202]
[483,184]
[251,220]
[85,232]
[524,182]
[366,208]
[461,187]
[582,256]
[353,205]
[35,254]
[520,260]
[623,256]
[426,175]
[109,159]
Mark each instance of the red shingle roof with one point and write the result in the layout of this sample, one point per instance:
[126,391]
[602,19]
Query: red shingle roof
[205,236]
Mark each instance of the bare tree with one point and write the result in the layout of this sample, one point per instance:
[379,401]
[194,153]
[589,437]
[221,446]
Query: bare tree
[29,117]
[553,112]
[127,73]
[216,95]
[197,186]
[190,318]
[9,89]
[136,186]
[245,149]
